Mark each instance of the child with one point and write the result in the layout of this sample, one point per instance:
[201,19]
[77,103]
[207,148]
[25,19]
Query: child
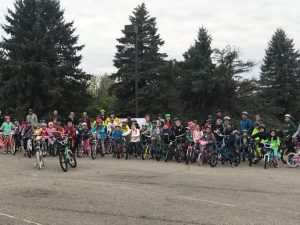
[207,141]
[274,141]
[27,134]
[135,139]
[197,134]
[71,132]
[7,127]
[154,133]
[17,135]
[100,131]
[117,137]
[85,137]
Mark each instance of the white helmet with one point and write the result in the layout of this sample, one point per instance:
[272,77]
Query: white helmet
[84,124]
[288,115]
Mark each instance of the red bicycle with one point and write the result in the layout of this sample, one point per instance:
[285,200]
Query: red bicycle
[7,142]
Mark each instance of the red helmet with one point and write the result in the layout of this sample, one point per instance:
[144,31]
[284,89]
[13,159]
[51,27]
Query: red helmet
[190,123]
[99,120]
[7,117]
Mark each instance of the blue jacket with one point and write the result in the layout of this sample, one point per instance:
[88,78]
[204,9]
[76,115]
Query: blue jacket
[100,131]
[246,125]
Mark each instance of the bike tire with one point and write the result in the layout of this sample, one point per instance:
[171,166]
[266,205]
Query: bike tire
[236,159]
[63,162]
[266,163]
[284,155]
[290,162]
[213,161]
[72,160]
[94,151]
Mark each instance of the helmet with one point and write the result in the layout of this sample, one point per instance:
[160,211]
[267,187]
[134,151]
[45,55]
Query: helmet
[124,121]
[209,127]
[84,124]
[99,120]
[102,110]
[262,126]
[190,123]
[154,121]
[273,129]
[50,124]
[218,110]
[84,113]
[256,124]
[7,117]
[209,116]
[227,118]
[187,128]
[288,115]
[177,119]
[168,115]
[243,131]
[44,125]
[245,113]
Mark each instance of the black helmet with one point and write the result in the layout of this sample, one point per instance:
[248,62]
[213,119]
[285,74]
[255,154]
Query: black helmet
[256,124]
[262,126]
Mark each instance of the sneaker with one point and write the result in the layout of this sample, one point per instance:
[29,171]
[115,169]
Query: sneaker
[276,165]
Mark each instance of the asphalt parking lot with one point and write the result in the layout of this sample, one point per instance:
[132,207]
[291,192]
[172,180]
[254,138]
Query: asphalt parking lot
[112,191]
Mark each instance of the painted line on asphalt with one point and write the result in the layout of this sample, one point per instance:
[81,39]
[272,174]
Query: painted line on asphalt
[181,197]
[23,220]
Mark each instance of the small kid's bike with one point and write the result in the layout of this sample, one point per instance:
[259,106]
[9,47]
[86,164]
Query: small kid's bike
[39,155]
[293,159]
[66,157]
[269,157]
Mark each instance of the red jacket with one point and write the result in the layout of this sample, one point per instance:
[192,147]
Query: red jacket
[70,131]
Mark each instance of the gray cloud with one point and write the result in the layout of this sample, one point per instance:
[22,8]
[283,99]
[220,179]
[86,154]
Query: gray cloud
[248,25]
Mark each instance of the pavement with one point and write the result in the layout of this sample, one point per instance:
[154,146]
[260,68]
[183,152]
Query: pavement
[114,192]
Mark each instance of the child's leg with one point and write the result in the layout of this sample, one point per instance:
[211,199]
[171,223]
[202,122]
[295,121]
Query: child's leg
[88,146]
[102,142]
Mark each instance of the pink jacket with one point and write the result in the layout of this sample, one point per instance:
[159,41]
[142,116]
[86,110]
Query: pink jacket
[197,135]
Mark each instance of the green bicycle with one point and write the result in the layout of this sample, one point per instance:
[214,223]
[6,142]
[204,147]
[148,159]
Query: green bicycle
[66,157]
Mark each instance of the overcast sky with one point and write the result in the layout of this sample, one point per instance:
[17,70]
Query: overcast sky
[246,24]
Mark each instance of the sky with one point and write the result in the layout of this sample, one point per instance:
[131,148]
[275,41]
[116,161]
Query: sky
[247,25]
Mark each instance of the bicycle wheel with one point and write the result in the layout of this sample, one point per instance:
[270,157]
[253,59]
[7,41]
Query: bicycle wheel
[144,155]
[213,161]
[266,161]
[12,146]
[292,160]
[168,154]
[63,161]
[235,159]
[94,150]
[284,153]
[72,160]
[158,153]
[80,151]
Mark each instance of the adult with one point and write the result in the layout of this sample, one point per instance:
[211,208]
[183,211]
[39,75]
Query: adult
[72,118]
[85,119]
[31,118]
[289,130]
[112,118]
[1,118]
[218,116]
[297,134]
[245,123]
[258,119]
[103,115]
[55,117]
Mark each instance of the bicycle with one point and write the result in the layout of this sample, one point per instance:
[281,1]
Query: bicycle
[146,148]
[66,157]
[190,153]
[109,145]
[95,145]
[8,143]
[160,150]
[225,154]
[39,156]
[269,157]
[293,159]
[204,154]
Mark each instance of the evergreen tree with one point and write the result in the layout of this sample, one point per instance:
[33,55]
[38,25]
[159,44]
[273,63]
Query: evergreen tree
[198,80]
[151,62]
[41,60]
[228,71]
[280,78]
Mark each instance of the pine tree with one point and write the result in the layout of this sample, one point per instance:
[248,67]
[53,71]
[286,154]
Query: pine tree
[229,71]
[198,80]
[41,60]
[280,78]
[151,62]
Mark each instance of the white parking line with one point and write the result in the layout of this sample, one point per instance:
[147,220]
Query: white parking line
[180,197]
[23,220]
